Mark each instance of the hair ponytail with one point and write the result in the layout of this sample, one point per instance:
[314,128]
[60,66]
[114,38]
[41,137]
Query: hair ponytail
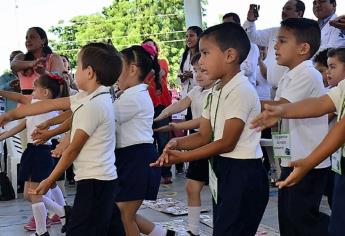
[56,84]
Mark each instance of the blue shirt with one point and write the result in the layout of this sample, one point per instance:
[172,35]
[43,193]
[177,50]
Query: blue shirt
[5,81]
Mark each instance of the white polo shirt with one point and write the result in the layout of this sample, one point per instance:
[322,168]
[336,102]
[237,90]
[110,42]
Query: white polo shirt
[267,38]
[302,82]
[94,115]
[134,117]
[237,99]
[197,96]
[33,121]
[249,66]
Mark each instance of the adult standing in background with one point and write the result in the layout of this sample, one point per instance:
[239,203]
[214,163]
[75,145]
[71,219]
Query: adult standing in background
[38,60]
[266,38]
[331,37]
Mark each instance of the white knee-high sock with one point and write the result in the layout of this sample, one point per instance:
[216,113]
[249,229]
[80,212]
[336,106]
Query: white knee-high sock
[57,196]
[54,207]
[194,219]
[40,215]
[158,230]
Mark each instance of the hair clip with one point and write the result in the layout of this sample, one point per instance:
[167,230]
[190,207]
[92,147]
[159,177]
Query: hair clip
[150,49]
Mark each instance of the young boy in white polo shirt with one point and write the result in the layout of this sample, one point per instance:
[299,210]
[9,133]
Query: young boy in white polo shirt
[298,207]
[92,143]
[237,177]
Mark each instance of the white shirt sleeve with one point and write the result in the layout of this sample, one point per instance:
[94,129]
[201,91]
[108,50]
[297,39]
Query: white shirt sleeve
[207,106]
[89,118]
[336,94]
[297,90]
[250,65]
[237,107]
[259,37]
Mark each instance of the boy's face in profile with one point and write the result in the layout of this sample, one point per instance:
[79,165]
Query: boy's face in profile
[212,61]
[80,73]
[288,50]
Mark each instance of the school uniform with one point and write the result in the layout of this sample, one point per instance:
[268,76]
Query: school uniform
[337,220]
[298,206]
[198,170]
[36,163]
[242,180]
[267,38]
[250,64]
[134,146]
[95,172]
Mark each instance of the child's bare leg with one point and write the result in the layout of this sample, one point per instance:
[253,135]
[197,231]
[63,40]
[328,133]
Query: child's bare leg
[128,215]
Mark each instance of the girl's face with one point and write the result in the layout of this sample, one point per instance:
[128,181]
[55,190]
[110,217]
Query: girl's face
[128,76]
[201,78]
[323,70]
[33,41]
[39,92]
[336,71]
[191,39]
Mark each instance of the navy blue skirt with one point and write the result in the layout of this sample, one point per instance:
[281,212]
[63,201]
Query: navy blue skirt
[137,180]
[36,163]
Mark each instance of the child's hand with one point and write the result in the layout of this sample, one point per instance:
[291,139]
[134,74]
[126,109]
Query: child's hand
[269,117]
[168,158]
[250,15]
[43,125]
[60,148]
[166,128]
[338,22]
[41,189]
[4,119]
[301,168]
[40,136]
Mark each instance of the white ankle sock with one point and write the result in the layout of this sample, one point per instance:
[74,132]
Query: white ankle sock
[54,207]
[57,196]
[40,215]
[158,230]
[194,219]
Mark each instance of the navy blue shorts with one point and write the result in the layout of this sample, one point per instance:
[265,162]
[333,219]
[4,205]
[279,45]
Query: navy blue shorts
[198,170]
[337,221]
[36,163]
[137,180]
[242,196]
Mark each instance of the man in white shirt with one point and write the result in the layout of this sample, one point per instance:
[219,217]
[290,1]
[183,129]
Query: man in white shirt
[331,37]
[266,37]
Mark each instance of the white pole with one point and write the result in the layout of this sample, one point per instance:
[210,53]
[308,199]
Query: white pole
[192,11]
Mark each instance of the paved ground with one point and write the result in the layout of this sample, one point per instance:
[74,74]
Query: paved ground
[14,214]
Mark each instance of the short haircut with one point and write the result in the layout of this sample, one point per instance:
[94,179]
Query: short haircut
[104,59]
[333,1]
[300,6]
[337,52]
[234,16]
[229,35]
[305,31]
[321,57]
[195,58]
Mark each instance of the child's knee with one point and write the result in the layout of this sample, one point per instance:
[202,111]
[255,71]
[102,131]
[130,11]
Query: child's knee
[192,189]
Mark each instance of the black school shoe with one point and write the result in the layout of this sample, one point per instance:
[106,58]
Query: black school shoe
[171,233]
[45,234]
[67,217]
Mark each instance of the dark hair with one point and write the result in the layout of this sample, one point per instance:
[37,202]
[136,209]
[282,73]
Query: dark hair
[234,16]
[332,1]
[198,31]
[195,58]
[229,35]
[321,57]
[156,66]
[14,54]
[337,52]
[144,61]
[305,31]
[64,56]
[300,6]
[104,59]
[56,85]
[46,49]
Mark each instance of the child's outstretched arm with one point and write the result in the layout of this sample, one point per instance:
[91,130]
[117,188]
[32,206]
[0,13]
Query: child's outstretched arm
[174,108]
[311,107]
[55,120]
[68,156]
[41,136]
[35,109]
[185,125]
[17,97]
[15,130]
[333,140]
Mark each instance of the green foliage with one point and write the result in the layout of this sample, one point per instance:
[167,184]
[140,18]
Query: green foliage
[127,22]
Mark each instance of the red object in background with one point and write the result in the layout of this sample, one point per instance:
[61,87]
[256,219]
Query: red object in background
[163,97]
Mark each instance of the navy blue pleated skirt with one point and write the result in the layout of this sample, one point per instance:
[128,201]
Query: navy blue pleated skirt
[36,163]
[137,180]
